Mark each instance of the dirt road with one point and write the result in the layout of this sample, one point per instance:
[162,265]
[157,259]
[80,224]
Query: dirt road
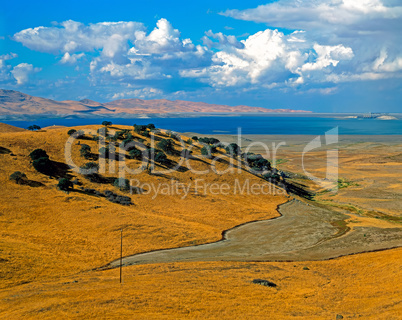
[303,232]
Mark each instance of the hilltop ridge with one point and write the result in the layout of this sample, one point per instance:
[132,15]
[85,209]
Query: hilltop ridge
[18,103]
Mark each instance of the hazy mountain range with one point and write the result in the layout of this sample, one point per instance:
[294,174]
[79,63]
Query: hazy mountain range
[17,103]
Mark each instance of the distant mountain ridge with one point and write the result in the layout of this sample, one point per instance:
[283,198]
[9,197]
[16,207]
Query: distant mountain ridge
[18,103]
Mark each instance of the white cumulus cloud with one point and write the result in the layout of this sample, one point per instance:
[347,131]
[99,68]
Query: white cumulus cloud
[364,32]
[72,36]
[309,14]
[4,67]
[328,41]
[270,57]
[223,40]
[22,71]
[144,93]
[71,58]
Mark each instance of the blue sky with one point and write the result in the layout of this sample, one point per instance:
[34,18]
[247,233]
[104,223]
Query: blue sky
[324,56]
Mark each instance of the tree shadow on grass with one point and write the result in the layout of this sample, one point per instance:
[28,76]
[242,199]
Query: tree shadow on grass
[60,170]
[5,150]
[170,165]
[97,178]
[30,183]
[54,169]
[92,156]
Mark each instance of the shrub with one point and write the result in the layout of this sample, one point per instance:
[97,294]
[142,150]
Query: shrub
[128,144]
[208,151]
[85,150]
[195,138]
[139,128]
[135,154]
[146,134]
[151,126]
[160,157]
[65,184]
[119,135]
[71,132]
[257,162]
[38,153]
[166,145]
[18,177]
[262,164]
[43,165]
[175,136]
[264,283]
[272,176]
[92,166]
[233,149]
[122,184]
[205,151]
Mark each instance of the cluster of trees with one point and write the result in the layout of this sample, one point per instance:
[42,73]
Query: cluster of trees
[34,127]
[107,123]
[210,141]
[143,129]
[122,135]
[257,162]
[272,176]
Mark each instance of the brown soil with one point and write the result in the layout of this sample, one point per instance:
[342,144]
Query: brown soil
[303,232]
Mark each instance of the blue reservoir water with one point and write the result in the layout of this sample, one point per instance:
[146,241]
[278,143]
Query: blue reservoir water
[293,125]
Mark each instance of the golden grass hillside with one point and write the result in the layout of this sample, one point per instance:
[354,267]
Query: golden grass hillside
[52,241]
[4,128]
[47,232]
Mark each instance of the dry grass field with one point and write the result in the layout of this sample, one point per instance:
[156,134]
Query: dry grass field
[52,244]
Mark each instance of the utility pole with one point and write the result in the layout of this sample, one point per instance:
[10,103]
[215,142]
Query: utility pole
[121,254]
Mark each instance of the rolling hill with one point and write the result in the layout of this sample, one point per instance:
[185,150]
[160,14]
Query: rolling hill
[17,103]
[53,243]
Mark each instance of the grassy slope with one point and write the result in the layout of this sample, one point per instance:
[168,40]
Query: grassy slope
[50,239]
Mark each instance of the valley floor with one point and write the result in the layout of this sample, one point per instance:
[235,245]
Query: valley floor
[53,243]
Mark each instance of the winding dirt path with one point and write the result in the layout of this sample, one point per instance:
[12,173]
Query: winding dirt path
[302,232]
